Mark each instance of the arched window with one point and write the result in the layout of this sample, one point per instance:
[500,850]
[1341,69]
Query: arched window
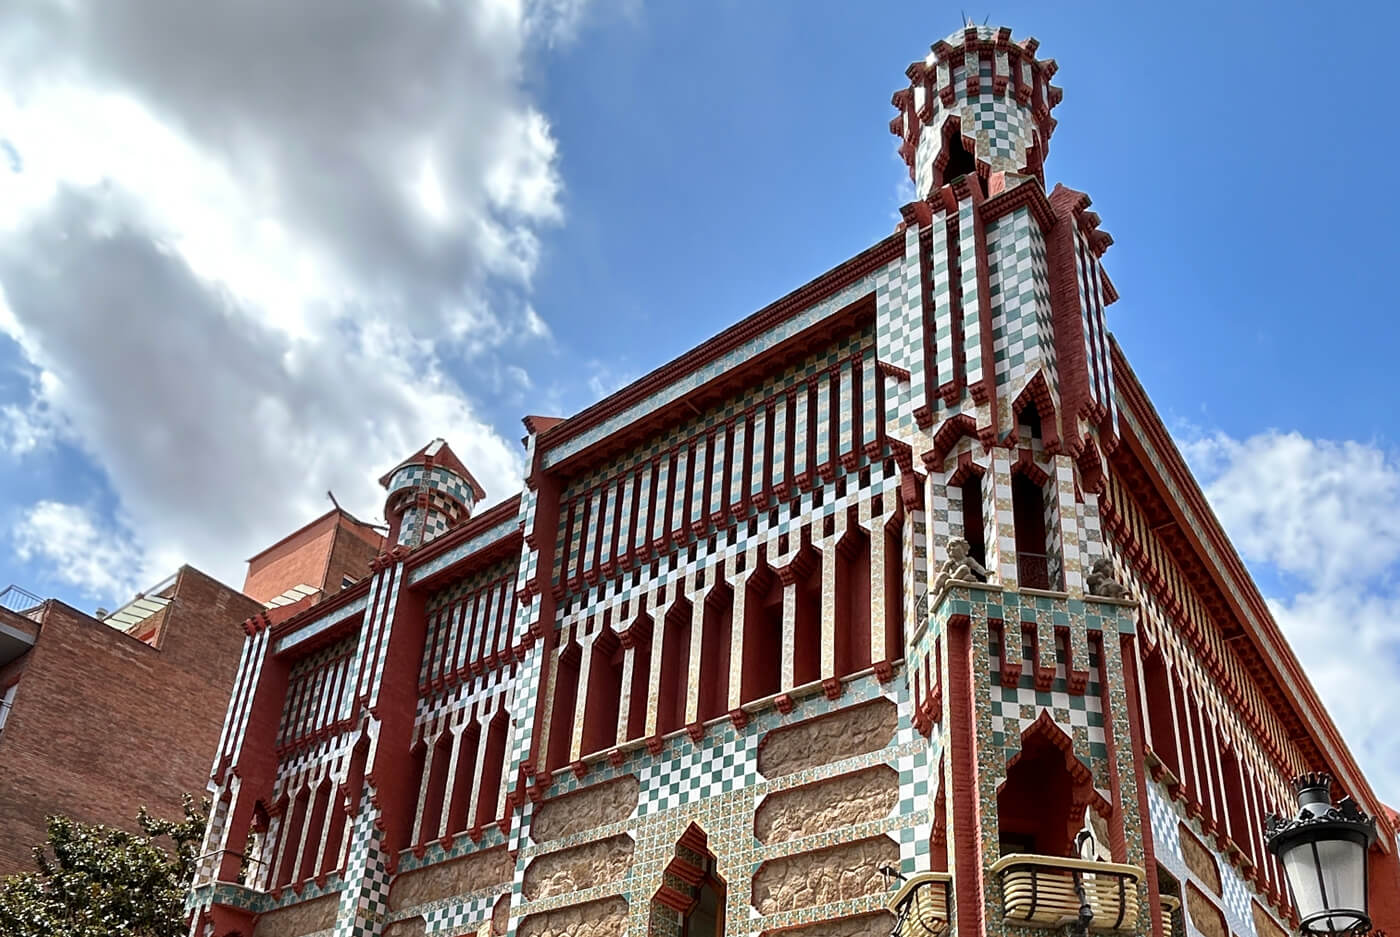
[311,852]
[960,161]
[291,837]
[1159,711]
[493,767]
[1028,510]
[894,590]
[640,693]
[438,767]
[974,531]
[463,777]
[691,902]
[807,619]
[1041,804]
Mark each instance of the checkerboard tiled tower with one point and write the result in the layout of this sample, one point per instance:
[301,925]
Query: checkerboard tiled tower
[712,670]
[429,493]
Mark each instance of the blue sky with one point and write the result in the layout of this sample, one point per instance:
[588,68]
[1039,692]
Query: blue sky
[258,253]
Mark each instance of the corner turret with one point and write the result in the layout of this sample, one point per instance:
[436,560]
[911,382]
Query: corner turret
[430,492]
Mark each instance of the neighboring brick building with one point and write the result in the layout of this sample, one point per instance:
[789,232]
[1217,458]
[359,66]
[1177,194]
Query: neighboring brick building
[100,718]
[712,670]
[326,555]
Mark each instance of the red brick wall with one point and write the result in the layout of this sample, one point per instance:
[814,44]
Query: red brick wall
[103,724]
[299,559]
[320,555]
[353,550]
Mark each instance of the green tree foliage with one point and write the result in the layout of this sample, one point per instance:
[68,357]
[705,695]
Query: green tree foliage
[94,881]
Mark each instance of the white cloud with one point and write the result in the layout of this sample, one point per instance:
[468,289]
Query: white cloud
[240,247]
[1328,512]
[68,539]
[23,429]
[1328,515]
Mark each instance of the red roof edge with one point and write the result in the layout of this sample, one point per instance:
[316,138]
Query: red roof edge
[444,457]
[759,322]
[1258,621]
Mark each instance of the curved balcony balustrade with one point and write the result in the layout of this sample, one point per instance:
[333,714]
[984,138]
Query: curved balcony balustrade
[921,905]
[1043,891]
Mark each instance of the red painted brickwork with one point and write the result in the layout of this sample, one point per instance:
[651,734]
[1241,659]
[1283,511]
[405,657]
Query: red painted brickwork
[320,554]
[355,546]
[103,724]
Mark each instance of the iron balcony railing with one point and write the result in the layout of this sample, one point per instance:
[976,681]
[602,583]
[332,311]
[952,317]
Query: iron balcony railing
[21,601]
[1048,892]
[921,905]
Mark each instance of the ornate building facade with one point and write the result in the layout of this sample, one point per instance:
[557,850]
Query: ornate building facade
[901,576]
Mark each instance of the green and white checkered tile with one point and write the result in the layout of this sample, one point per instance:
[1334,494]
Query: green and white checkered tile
[365,902]
[694,773]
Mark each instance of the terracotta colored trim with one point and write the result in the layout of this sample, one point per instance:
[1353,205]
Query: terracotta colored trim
[1137,738]
[546,523]
[1029,196]
[507,545]
[804,297]
[1259,626]
[962,763]
[986,390]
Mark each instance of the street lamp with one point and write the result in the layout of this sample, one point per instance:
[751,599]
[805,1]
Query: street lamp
[1323,851]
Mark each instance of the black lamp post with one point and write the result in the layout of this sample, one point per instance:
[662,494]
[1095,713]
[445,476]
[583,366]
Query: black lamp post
[1323,851]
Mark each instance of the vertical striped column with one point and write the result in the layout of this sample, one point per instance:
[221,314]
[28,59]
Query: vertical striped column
[846,443]
[999,519]
[823,455]
[738,448]
[760,467]
[801,464]
[781,469]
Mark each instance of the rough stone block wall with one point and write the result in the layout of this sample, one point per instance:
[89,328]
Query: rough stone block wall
[829,875]
[607,918]
[1199,860]
[1204,914]
[472,873]
[845,734]
[297,920]
[579,867]
[816,808]
[592,807]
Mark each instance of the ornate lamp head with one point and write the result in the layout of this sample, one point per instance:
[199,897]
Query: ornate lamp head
[1323,851]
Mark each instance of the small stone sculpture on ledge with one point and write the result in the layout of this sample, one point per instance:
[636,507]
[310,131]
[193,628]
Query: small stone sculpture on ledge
[960,566]
[1101,581]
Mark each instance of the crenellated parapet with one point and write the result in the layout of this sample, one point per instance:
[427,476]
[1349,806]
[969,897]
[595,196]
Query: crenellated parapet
[980,103]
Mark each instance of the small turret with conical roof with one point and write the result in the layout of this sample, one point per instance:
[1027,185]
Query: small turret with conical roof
[430,492]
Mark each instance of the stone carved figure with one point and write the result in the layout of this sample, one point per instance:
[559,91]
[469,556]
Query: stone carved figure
[960,566]
[1101,581]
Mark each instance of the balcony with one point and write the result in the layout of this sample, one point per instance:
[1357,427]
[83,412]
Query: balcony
[20,601]
[1169,906]
[1043,891]
[921,905]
